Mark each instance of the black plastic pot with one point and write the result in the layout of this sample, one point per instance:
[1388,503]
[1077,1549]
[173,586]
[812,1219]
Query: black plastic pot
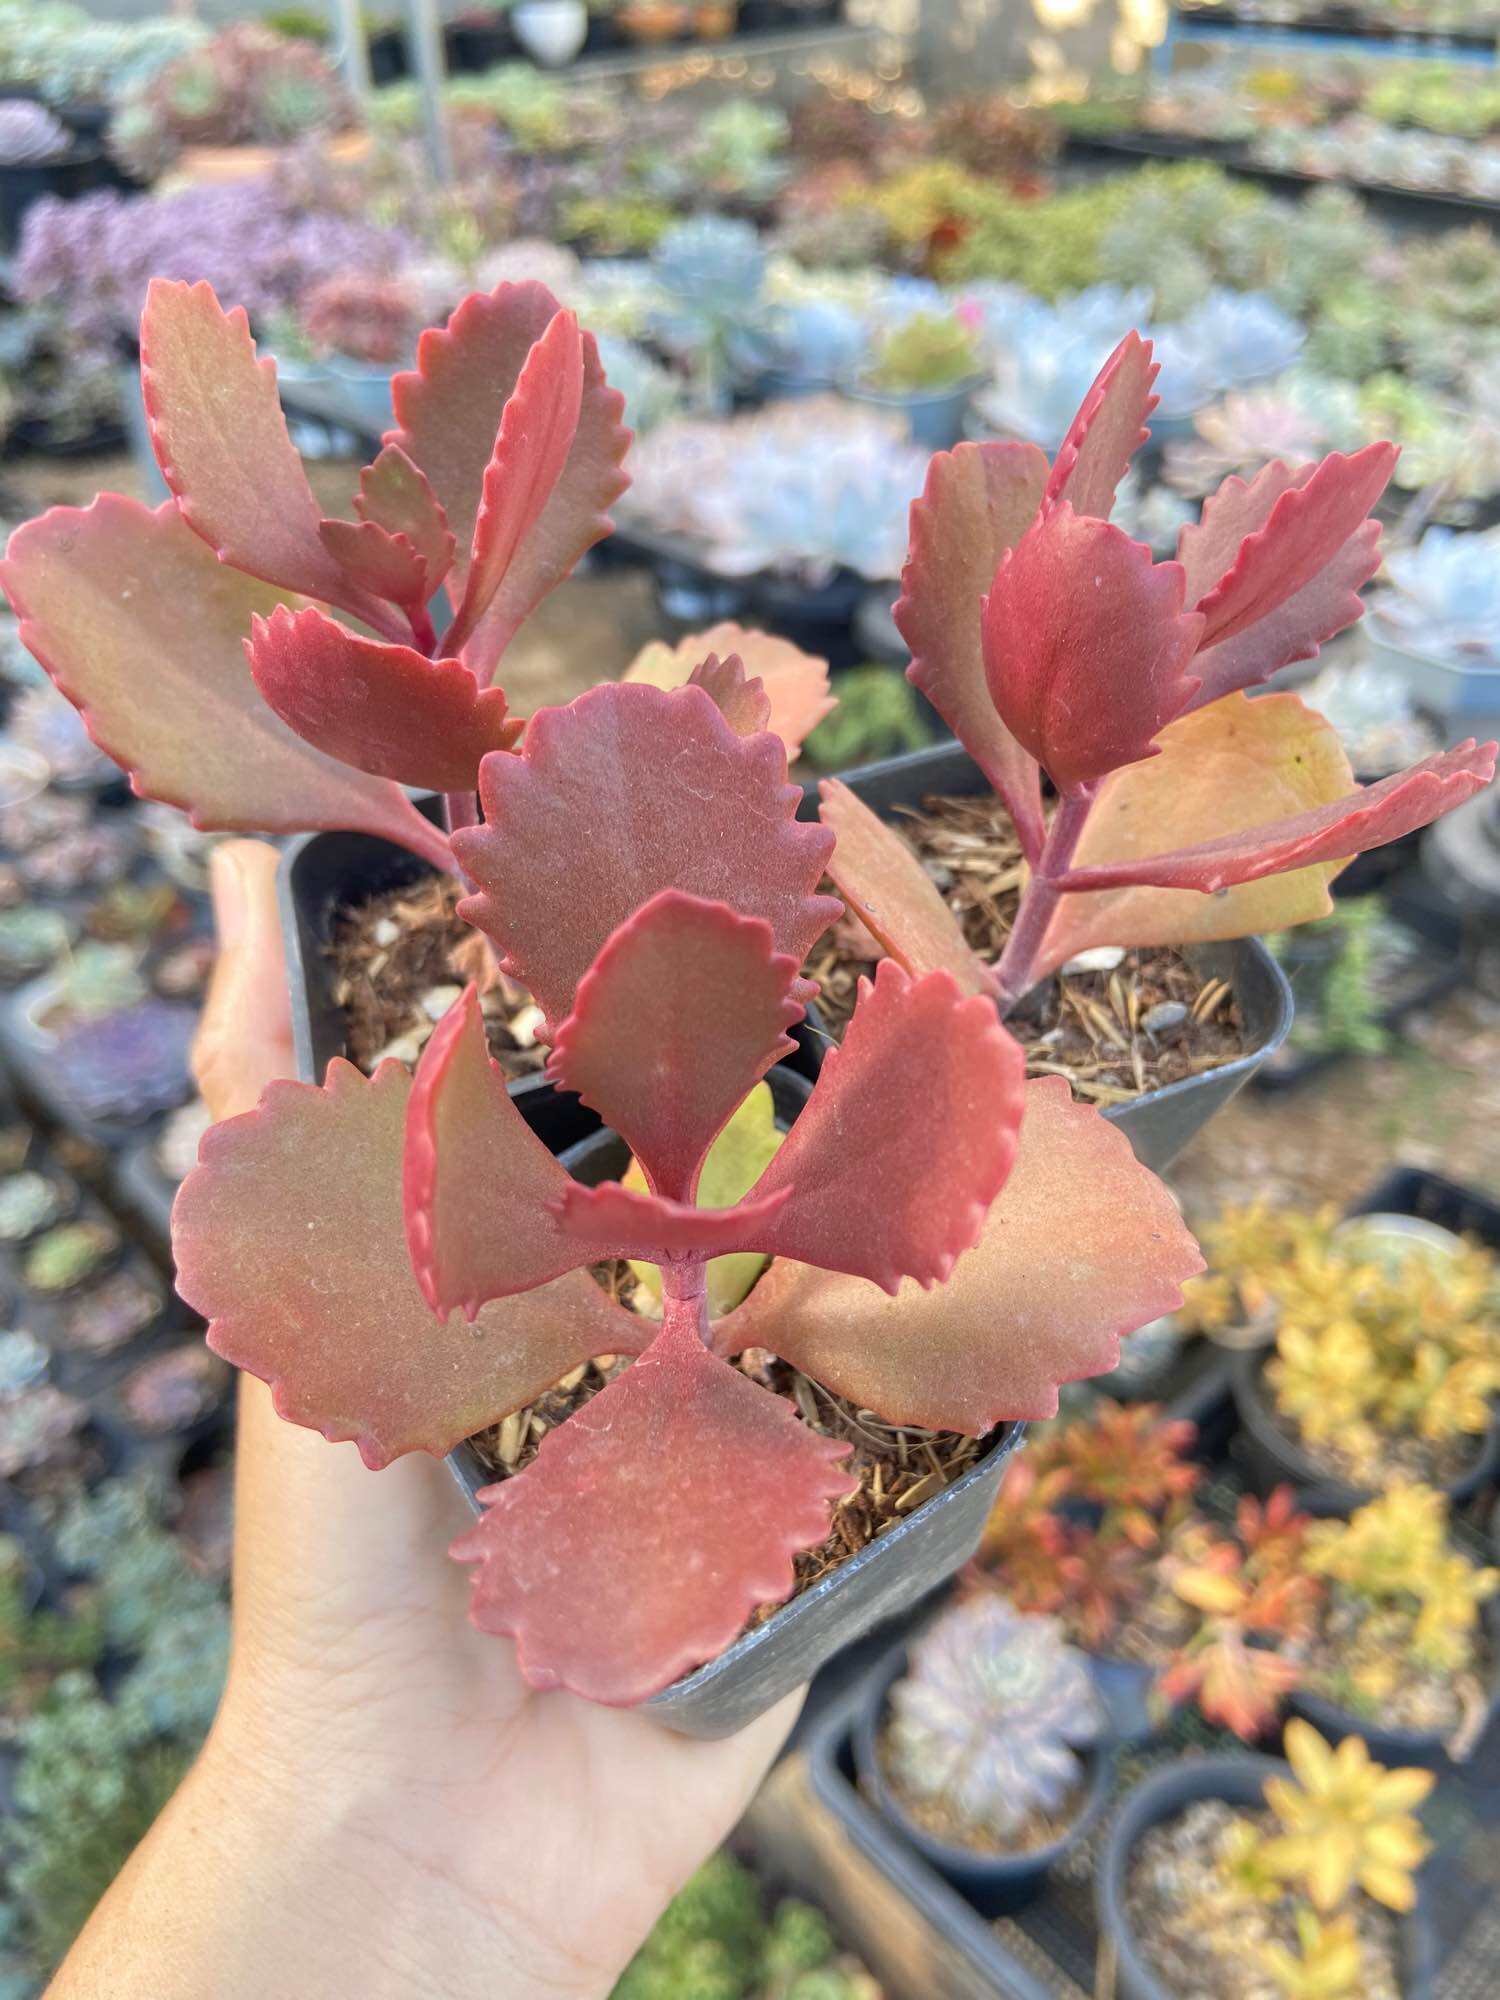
[993,1883]
[1272,1458]
[883,1580]
[1238,1780]
[69,176]
[1161,1122]
[818,619]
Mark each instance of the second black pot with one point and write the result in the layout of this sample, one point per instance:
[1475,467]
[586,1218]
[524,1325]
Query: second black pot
[1160,1122]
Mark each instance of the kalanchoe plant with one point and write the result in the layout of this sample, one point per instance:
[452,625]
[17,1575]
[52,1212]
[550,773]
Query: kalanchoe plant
[1050,642]
[986,1724]
[320,1233]
[185,634]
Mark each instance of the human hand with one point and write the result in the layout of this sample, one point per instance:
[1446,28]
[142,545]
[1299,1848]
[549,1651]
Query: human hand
[383,1806]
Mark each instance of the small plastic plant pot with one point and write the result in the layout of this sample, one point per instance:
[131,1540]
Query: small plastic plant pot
[993,1883]
[1159,1123]
[887,1577]
[1273,1458]
[1238,1780]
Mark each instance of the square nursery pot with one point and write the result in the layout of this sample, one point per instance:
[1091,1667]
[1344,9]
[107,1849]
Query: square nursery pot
[1160,1122]
[323,872]
[887,1577]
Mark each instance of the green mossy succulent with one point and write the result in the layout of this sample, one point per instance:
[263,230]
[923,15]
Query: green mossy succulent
[68,1254]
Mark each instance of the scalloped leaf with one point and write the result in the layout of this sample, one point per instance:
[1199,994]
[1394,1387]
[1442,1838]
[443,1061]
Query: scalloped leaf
[743,703]
[1297,629]
[396,495]
[532,446]
[796,683]
[384,709]
[683,1011]
[1108,431]
[387,565]
[1207,548]
[143,628]
[889,890]
[1305,528]
[1016,1318]
[221,440]
[628,791]
[1369,817]
[451,406]
[1087,647]
[912,1123]
[978,501]
[477,1183]
[1221,770]
[615,1221]
[288,1240]
[650,1525]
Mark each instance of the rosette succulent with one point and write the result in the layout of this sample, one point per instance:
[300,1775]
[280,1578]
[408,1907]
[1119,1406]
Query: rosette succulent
[988,1719]
[30,134]
[1444,596]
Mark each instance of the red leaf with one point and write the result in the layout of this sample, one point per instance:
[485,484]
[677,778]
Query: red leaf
[907,1138]
[1207,547]
[680,1015]
[1306,527]
[396,495]
[743,703]
[651,1524]
[1370,816]
[978,502]
[536,434]
[1087,646]
[614,1221]
[143,629]
[1111,426]
[892,894]
[288,1240]
[387,565]
[384,709]
[221,440]
[626,792]
[450,408]
[1034,1303]
[1296,629]
[796,683]
[476,1181]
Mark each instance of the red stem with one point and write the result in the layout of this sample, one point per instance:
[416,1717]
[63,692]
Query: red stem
[685,1284]
[1015,975]
[423,631]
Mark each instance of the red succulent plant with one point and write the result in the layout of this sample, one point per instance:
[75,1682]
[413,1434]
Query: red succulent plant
[1051,642]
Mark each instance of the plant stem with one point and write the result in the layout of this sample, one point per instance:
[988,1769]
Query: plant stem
[1015,974]
[423,631]
[684,1291]
[460,809]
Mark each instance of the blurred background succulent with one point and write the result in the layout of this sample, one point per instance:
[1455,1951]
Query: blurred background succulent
[30,134]
[1443,596]
[988,1719]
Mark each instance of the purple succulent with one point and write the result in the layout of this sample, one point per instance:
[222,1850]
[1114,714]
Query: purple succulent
[127,1065]
[175,1390]
[117,1309]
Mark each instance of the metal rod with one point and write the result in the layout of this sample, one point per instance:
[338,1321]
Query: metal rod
[351,50]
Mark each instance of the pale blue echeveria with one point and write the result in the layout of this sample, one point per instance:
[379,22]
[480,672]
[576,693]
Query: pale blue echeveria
[1444,595]
[1228,342]
[1045,357]
[652,393]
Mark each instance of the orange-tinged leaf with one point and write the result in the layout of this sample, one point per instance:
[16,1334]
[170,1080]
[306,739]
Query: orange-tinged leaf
[796,683]
[743,702]
[288,1240]
[978,501]
[384,709]
[1087,646]
[913,1121]
[1218,770]
[221,440]
[143,629]
[397,496]
[449,410]
[536,435]
[680,1015]
[1109,429]
[651,1524]
[1016,1318]
[889,890]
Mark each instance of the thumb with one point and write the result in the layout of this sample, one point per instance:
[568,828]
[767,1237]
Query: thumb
[245,1037]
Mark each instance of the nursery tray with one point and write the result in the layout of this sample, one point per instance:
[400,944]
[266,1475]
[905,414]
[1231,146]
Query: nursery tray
[1050,1950]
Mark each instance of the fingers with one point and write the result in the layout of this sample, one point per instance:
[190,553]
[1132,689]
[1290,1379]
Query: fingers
[245,1037]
